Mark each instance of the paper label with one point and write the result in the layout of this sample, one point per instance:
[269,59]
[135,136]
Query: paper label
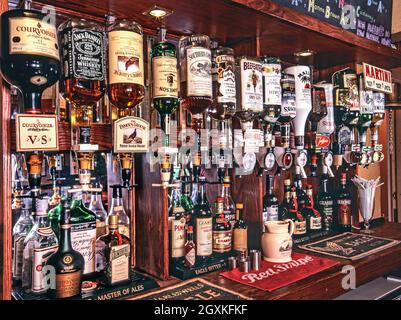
[119,263]
[204,244]
[178,238]
[271,83]
[377,79]
[226,79]
[83,240]
[222,241]
[199,77]
[68,284]
[240,239]
[165,82]
[251,85]
[18,256]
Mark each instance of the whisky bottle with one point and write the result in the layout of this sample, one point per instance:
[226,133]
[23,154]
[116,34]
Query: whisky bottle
[343,206]
[165,82]
[117,209]
[222,232]
[83,231]
[177,239]
[190,249]
[296,216]
[126,67]
[202,221]
[29,54]
[224,84]
[195,73]
[39,245]
[240,230]
[288,109]
[117,255]
[20,231]
[250,90]
[325,203]
[313,217]
[270,202]
[228,202]
[68,263]
[96,206]
[271,78]
[83,56]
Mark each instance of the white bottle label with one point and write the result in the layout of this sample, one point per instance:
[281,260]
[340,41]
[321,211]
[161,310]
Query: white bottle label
[40,257]
[327,125]
[366,101]
[315,223]
[126,57]
[204,239]
[351,82]
[226,79]
[119,263]
[270,214]
[18,256]
[83,240]
[251,85]
[165,82]
[33,36]
[178,238]
[199,77]
[271,83]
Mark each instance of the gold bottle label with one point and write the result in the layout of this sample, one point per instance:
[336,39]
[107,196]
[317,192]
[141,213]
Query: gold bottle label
[68,284]
[165,82]
[126,57]
[240,239]
[33,36]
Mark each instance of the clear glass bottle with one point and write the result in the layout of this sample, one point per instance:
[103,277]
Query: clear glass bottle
[96,206]
[117,209]
[39,245]
[20,231]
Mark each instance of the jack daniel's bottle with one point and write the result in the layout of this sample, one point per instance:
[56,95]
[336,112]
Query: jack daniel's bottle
[29,54]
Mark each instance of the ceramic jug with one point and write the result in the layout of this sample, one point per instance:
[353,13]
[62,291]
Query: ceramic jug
[277,241]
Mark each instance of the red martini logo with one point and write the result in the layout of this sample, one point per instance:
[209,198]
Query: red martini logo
[322,141]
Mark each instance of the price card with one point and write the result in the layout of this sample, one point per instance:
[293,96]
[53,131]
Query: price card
[131,134]
[37,132]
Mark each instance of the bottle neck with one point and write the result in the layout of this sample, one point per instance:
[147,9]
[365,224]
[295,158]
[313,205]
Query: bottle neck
[190,236]
[269,184]
[116,202]
[41,221]
[96,201]
[201,198]
[65,237]
[225,191]
[32,102]
[324,186]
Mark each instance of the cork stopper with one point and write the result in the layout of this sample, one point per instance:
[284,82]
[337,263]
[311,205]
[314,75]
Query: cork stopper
[35,162]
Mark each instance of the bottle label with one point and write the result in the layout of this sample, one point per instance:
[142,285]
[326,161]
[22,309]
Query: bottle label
[270,213]
[352,95]
[300,227]
[165,82]
[251,85]
[68,284]
[83,240]
[18,256]
[190,257]
[366,97]
[327,209]
[83,54]
[33,36]
[226,79]
[222,241]
[344,212]
[126,57]
[199,77]
[271,83]
[178,238]
[101,228]
[303,86]
[240,239]
[119,263]
[315,223]
[378,102]
[124,230]
[288,108]
[204,244]
[40,258]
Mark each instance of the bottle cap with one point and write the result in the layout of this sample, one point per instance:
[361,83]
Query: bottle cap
[113,221]
[239,205]
[42,206]
[190,228]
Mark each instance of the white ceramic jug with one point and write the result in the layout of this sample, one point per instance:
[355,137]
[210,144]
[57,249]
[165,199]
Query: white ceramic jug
[277,241]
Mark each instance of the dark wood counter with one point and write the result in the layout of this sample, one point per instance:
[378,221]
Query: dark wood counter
[326,284]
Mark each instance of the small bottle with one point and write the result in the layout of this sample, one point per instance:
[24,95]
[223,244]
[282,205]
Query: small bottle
[67,262]
[20,231]
[313,217]
[240,231]
[222,233]
[117,254]
[190,249]
[343,203]
[117,209]
[96,206]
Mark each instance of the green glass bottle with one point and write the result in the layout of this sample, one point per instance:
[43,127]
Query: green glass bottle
[165,82]
[186,200]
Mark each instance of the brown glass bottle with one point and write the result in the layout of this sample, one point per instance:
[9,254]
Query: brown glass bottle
[126,69]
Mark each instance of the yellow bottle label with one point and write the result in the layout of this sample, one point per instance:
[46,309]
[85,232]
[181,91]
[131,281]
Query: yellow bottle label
[240,241]
[126,57]
[33,36]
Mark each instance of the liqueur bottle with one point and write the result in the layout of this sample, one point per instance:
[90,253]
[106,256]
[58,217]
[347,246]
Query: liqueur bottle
[190,249]
[165,82]
[117,209]
[126,67]
[96,206]
[325,203]
[67,262]
[202,221]
[288,110]
[343,204]
[39,245]
[228,202]
[83,231]
[296,216]
[178,237]
[270,201]
[313,217]
[222,232]
[117,255]
[29,54]
[240,230]
[20,231]
[271,79]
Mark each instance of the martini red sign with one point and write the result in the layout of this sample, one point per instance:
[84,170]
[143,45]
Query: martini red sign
[322,141]
[377,79]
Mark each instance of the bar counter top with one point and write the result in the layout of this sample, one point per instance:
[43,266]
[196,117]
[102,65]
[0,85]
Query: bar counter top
[326,284]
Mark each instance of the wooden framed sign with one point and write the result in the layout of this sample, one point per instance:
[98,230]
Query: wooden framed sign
[377,79]
[36,132]
[131,134]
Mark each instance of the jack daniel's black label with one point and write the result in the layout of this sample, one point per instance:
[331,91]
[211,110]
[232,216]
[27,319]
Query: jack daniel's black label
[83,54]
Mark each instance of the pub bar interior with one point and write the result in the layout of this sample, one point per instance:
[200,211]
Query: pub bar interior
[200,150]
